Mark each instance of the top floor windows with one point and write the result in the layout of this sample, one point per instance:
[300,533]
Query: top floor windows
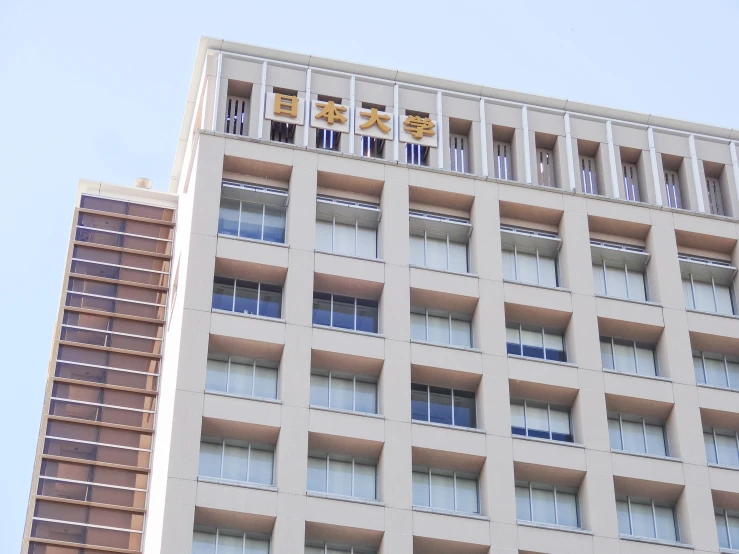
[631,182]
[416,154]
[459,153]
[619,270]
[672,189]
[715,199]
[530,256]
[545,167]
[503,160]
[439,242]
[252,211]
[707,284]
[589,175]
[237,116]
[346,227]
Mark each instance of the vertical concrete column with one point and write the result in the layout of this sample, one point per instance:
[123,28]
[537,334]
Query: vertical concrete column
[571,154]
[483,141]
[613,168]
[697,175]
[656,167]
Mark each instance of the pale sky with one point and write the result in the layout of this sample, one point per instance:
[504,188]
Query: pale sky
[97,90]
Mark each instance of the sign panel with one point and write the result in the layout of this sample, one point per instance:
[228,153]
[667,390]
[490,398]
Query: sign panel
[284,108]
[370,122]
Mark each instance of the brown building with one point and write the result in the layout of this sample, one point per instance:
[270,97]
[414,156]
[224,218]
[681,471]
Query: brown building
[398,314]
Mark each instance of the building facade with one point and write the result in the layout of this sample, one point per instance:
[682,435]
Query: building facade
[403,315]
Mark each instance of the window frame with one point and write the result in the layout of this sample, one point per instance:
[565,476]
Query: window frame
[354,328]
[254,364]
[715,444]
[345,458]
[458,153]
[524,402]
[725,359]
[246,535]
[546,486]
[262,195]
[428,406]
[631,182]
[355,210]
[450,318]
[333,144]
[503,164]
[669,505]
[544,342]
[725,513]
[632,418]
[371,147]
[589,175]
[213,440]
[346,548]
[672,185]
[419,154]
[363,378]
[634,344]
[259,297]
[729,287]
[446,473]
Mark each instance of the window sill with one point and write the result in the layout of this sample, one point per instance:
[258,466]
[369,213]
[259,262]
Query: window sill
[447,426]
[640,302]
[728,551]
[242,397]
[651,377]
[351,331]
[349,412]
[542,360]
[436,269]
[242,484]
[249,316]
[545,287]
[721,466]
[462,348]
[548,441]
[256,241]
[450,513]
[553,527]
[655,541]
[350,256]
[650,456]
[344,498]
[716,387]
[728,316]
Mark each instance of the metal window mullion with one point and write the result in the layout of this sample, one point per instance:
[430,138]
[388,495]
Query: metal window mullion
[228,373]
[254,377]
[626,276]
[454,476]
[631,521]
[621,430]
[355,314]
[217,537]
[331,318]
[352,477]
[713,289]
[356,237]
[644,435]
[715,445]
[259,294]
[453,410]
[736,438]
[543,344]
[333,233]
[428,411]
[726,371]
[703,367]
[329,390]
[354,393]
[426,312]
[531,502]
[654,520]
[425,248]
[692,289]
[525,420]
[515,262]
[636,359]
[447,251]
[431,502]
[728,533]
[449,328]
[223,456]
[264,217]
[233,301]
[238,224]
[605,278]
[248,462]
[538,269]
[243,543]
[613,354]
[556,510]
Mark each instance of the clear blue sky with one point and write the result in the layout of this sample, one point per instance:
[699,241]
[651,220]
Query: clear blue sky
[97,90]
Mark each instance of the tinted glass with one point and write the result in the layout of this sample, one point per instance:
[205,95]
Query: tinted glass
[274,224]
[223,293]
[464,409]
[367,316]
[419,402]
[321,308]
[441,405]
[246,298]
[343,312]
[270,301]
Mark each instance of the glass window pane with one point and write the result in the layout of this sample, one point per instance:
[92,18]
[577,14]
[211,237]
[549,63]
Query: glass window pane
[265,382]
[688,293]
[567,509]
[364,481]
[533,342]
[542,502]
[316,474]
[723,300]
[614,434]
[418,326]
[703,293]
[228,218]
[255,546]
[527,272]
[467,495]
[246,298]
[314,550]
[622,511]
[270,301]
[655,440]
[554,346]
[235,462]
[209,464]
[442,491]
[458,256]
[340,477]
[436,253]
[419,402]
[420,489]
[203,543]
[642,520]
[616,281]
[517,418]
[367,242]
[715,372]
[537,420]
[722,530]
[633,436]
[343,312]
[560,425]
[441,405]
[698,367]
[240,379]
[324,231]
[509,271]
[365,397]
[728,455]
[606,354]
[599,278]
[321,308]
[461,333]
[319,390]
[665,519]
[710,448]
[223,293]
[547,271]
[416,246]
[438,331]
[623,352]
[344,236]
[260,466]
[342,393]
[637,286]
[523,505]
[733,369]
[215,375]
[645,361]
[464,409]
[251,220]
[513,340]
[230,543]
[274,224]
[367,316]
[734,531]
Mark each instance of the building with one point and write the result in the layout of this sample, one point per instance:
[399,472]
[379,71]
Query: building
[398,314]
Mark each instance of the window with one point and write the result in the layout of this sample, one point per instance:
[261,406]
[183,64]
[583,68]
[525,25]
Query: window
[722,447]
[502,160]
[240,376]
[547,504]
[415,154]
[444,406]
[236,461]
[247,297]
[343,391]
[344,312]
[345,227]
[619,270]
[627,356]
[252,212]
[541,420]
[545,164]
[207,540]
[637,435]
[715,201]
[530,256]
[672,189]
[443,328]
[326,548]
[727,527]
[589,175]
[458,158]
[371,147]
[631,182]
[452,491]
[282,132]
[716,370]
[707,294]
[237,115]
[532,341]
[342,476]
[647,519]
[439,242]
[328,140]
